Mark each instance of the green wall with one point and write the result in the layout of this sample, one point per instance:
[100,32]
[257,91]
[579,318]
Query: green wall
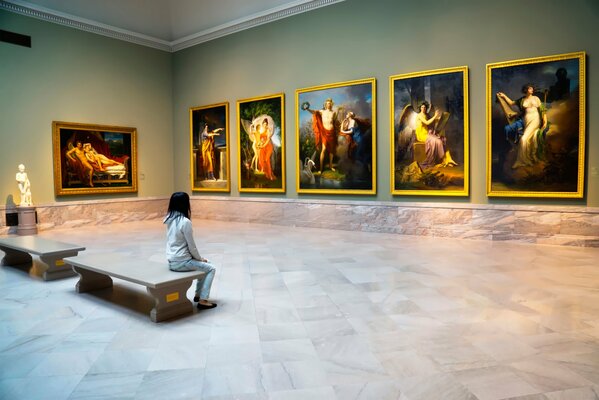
[360,39]
[70,75]
[74,76]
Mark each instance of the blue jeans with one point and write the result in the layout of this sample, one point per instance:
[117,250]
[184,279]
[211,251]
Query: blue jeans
[204,283]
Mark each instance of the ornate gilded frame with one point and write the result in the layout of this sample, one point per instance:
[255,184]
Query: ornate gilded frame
[412,172]
[551,161]
[108,165]
[252,170]
[349,177]
[216,116]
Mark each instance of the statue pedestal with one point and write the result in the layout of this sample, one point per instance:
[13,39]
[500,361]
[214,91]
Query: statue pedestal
[27,225]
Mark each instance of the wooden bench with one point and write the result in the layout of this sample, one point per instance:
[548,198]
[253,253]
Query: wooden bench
[18,251]
[167,288]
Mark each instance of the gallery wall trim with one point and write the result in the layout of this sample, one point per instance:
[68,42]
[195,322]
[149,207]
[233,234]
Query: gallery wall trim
[251,21]
[547,224]
[45,14]
[271,15]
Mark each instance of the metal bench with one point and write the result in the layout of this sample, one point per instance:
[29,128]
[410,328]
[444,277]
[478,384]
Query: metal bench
[51,253]
[167,288]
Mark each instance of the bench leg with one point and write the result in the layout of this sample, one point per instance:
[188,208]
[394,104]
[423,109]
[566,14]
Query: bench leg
[15,257]
[170,301]
[90,280]
[56,267]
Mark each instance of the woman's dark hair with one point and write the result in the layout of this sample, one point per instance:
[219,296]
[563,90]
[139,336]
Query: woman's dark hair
[179,203]
[425,104]
[526,86]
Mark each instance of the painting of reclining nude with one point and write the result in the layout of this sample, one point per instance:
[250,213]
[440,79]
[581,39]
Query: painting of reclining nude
[336,138]
[209,148]
[429,133]
[536,127]
[261,127]
[93,159]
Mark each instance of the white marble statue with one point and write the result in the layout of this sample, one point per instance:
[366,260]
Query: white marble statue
[24,186]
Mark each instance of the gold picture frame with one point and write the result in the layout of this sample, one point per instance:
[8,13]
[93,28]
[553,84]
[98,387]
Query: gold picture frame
[261,144]
[209,145]
[536,127]
[94,159]
[340,159]
[429,133]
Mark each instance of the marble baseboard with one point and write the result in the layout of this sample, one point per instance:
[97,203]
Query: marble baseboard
[94,212]
[554,225]
[566,226]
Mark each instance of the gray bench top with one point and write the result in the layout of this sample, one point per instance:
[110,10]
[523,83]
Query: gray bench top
[144,272]
[38,245]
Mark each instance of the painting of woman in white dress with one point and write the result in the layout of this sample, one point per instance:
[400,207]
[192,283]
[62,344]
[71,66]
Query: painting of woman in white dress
[535,127]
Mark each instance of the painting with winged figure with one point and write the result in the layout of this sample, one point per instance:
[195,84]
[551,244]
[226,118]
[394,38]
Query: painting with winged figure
[336,138]
[536,127]
[94,159]
[261,146]
[210,148]
[429,133]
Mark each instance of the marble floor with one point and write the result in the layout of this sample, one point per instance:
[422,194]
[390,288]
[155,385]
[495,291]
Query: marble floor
[312,314]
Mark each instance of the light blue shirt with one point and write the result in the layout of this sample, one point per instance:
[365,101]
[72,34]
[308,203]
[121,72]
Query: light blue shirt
[180,245]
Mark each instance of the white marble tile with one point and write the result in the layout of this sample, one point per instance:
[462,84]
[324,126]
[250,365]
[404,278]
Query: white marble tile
[328,311]
[180,384]
[109,385]
[583,393]
[324,328]
[234,335]
[433,386]
[19,365]
[494,383]
[237,379]
[348,359]
[548,376]
[126,361]
[460,357]
[282,331]
[33,344]
[323,393]
[408,363]
[57,388]
[288,350]
[179,356]
[225,354]
[136,339]
[68,363]
[292,375]
[380,390]
[303,315]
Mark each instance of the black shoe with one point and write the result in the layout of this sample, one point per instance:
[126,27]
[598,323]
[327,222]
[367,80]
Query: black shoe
[206,306]
[196,298]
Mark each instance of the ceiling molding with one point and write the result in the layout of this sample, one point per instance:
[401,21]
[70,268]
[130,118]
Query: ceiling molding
[274,14]
[251,21]
[45,14]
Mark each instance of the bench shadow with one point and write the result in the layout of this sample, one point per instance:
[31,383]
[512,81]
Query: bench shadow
[34,269]
[131,299]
